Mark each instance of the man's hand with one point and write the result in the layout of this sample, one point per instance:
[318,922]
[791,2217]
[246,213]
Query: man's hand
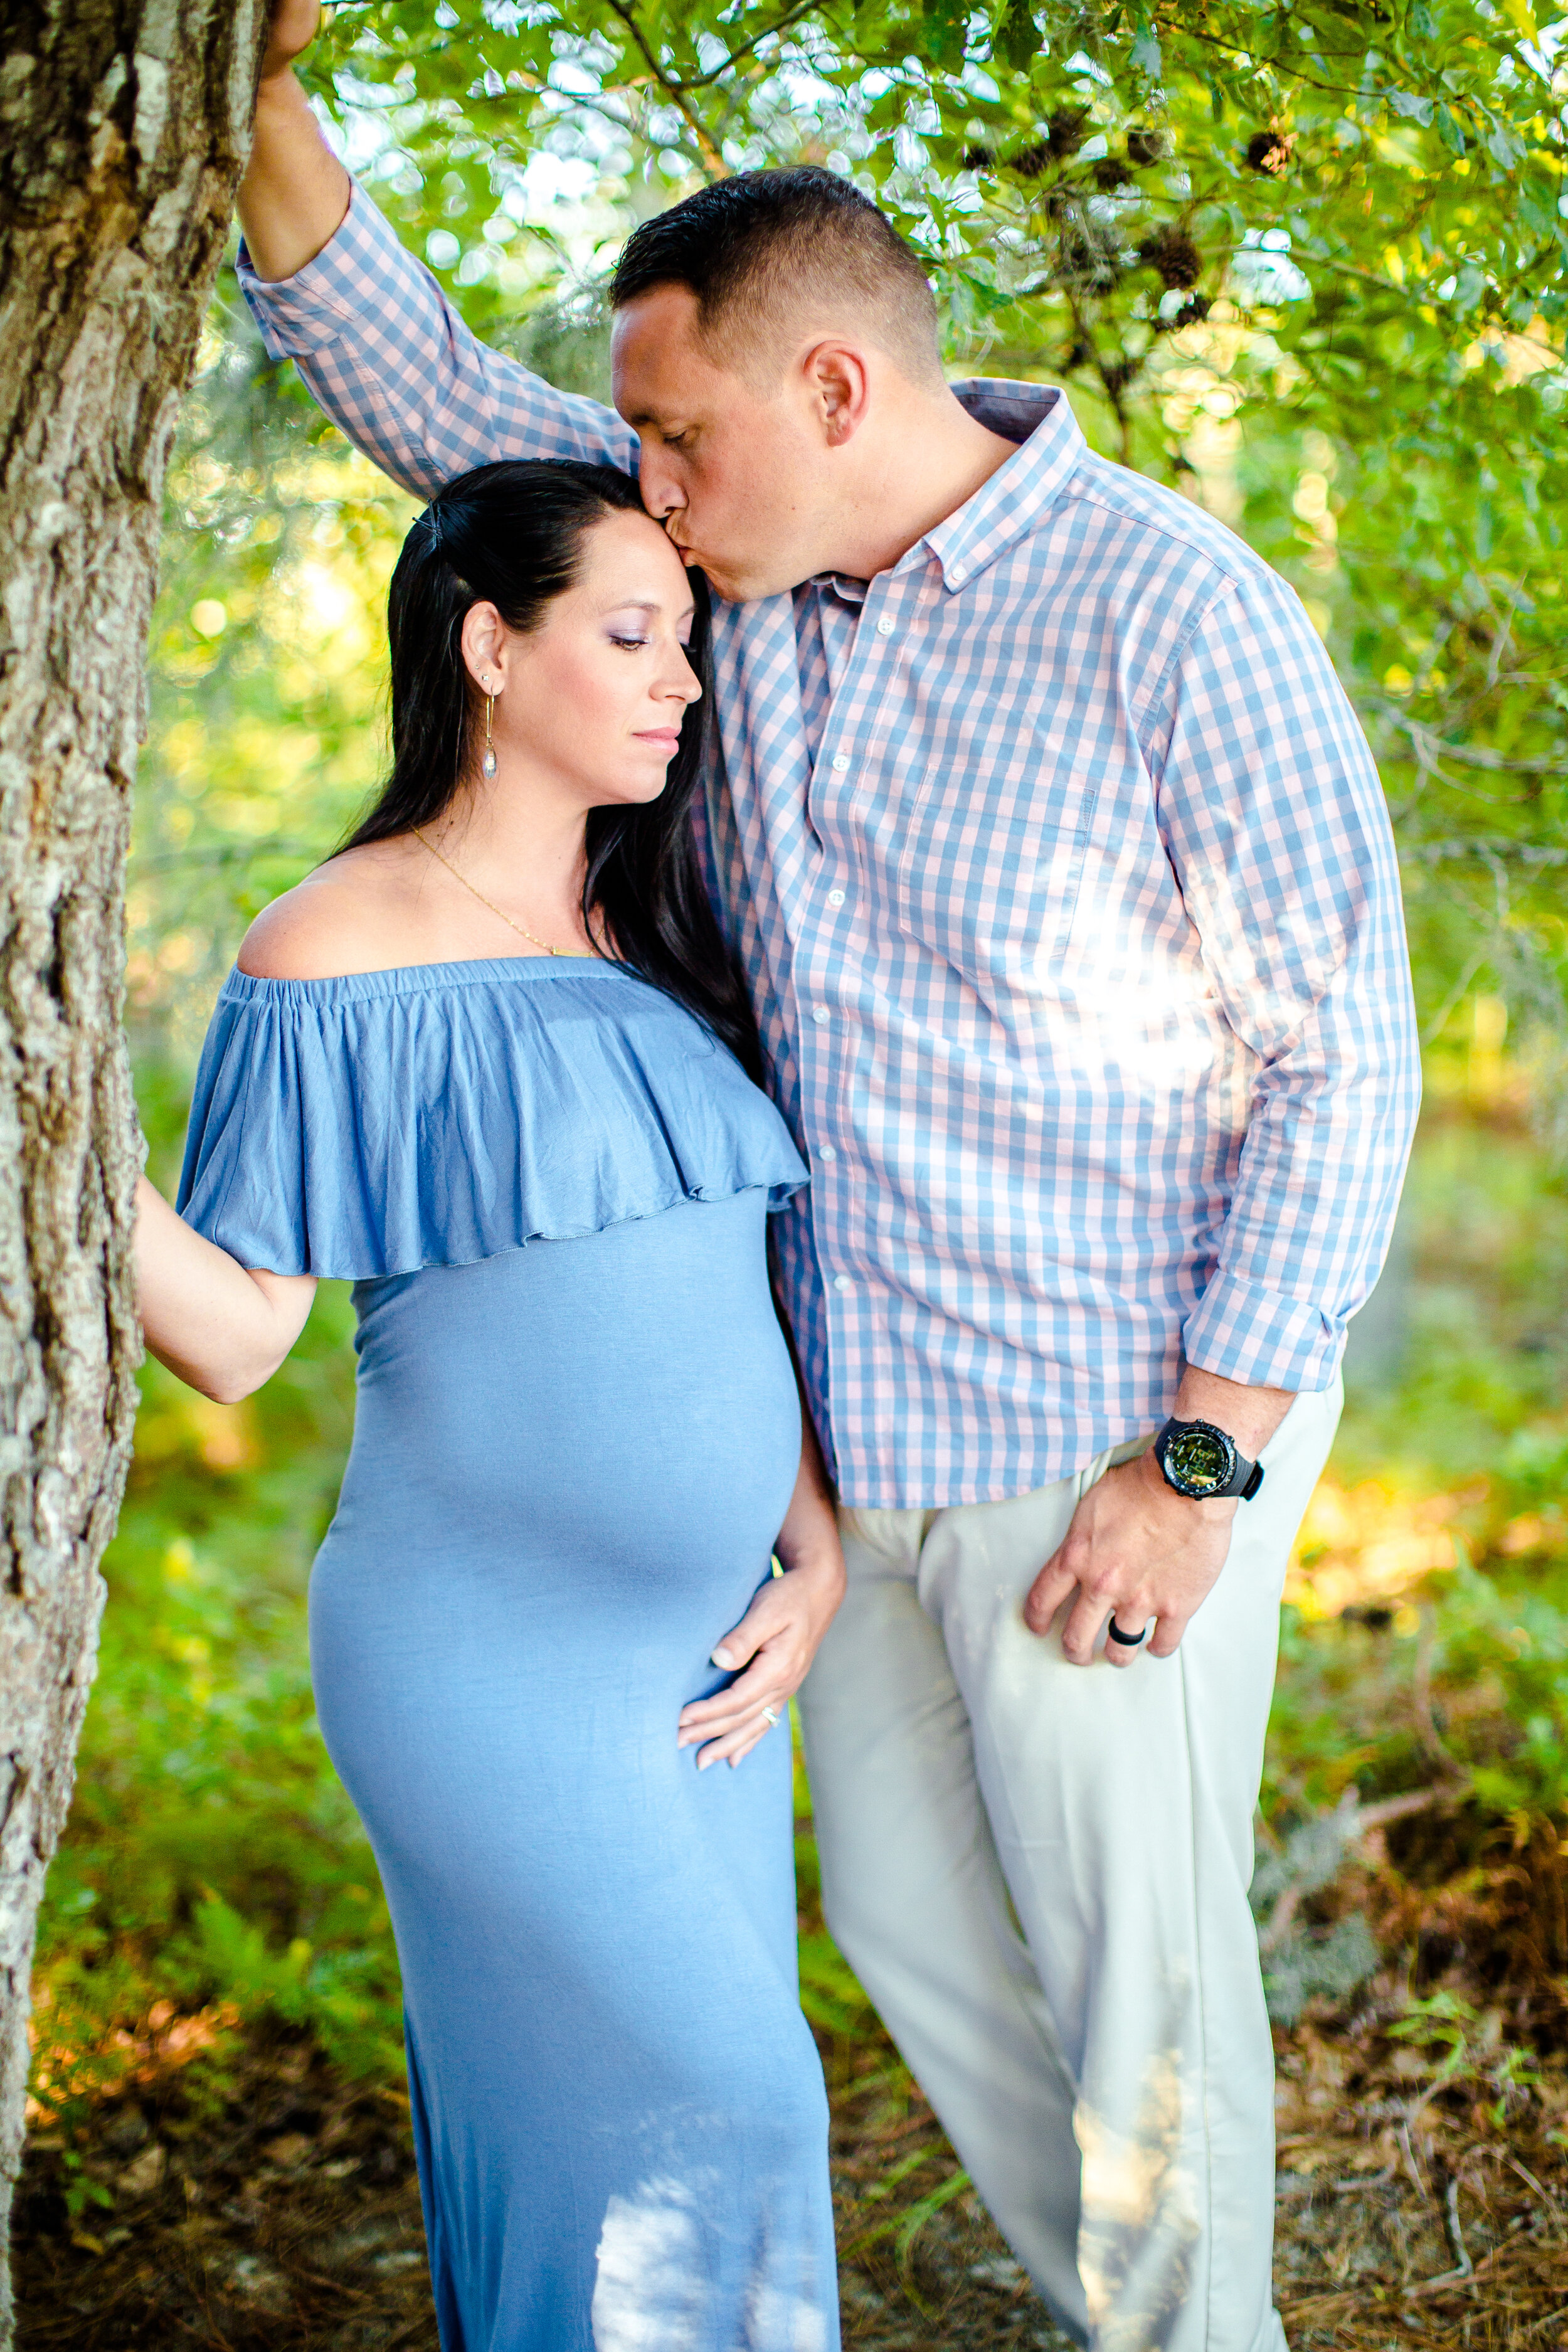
[294,26]
[1134,1550]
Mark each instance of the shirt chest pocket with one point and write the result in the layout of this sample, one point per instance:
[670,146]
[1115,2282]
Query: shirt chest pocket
[992,856]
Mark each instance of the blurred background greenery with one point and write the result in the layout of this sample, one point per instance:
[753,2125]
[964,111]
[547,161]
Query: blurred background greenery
[1309,268]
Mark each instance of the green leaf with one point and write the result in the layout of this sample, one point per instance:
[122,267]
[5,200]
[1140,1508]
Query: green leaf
[1450,130]
[944,26]
[1016,39]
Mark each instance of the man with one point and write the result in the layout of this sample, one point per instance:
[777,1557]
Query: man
[1064,882]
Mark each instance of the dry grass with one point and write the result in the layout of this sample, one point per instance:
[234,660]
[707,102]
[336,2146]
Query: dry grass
[284,2216]
[1423,2184]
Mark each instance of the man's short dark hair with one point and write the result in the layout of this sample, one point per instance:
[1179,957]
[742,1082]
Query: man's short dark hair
[765,248]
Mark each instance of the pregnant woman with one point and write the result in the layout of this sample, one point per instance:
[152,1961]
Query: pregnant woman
[487,1063]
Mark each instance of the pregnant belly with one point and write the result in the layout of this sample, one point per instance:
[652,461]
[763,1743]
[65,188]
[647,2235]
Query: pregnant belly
[603,1424]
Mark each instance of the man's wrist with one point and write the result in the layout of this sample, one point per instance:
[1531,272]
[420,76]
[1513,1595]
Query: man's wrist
[1249,1416]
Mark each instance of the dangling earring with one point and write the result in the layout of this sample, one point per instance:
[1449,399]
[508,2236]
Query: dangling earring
[487,764]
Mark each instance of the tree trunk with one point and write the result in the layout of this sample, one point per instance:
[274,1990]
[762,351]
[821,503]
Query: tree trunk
[123,129]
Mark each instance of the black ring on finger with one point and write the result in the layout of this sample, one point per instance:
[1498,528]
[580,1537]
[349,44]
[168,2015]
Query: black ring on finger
[1127,1640]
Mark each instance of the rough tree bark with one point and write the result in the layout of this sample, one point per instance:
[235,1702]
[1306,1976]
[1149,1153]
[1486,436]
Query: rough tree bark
[123,129]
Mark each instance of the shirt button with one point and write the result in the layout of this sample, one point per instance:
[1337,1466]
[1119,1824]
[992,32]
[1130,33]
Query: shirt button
[885,625]
[819,1013]
[836,898]
[840,762]
[826,1152]
[842,1281]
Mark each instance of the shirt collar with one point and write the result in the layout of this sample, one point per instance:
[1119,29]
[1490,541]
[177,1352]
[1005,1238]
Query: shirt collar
[1050,444]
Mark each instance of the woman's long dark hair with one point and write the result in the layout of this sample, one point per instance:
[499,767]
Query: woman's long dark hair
[513,535]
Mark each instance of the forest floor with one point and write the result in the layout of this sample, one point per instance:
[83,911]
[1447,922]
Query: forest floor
[267,2206]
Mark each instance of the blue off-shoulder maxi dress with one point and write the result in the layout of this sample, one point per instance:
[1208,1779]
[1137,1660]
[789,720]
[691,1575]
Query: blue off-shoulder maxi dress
[576,1435]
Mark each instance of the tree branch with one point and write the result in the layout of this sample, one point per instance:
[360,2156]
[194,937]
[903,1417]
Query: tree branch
[675,91]
[726,64]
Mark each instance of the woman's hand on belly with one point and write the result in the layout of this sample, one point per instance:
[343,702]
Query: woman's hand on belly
[776,1641]
[777,1638]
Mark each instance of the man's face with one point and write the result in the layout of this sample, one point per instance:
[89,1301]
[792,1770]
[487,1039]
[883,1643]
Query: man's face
[740,479]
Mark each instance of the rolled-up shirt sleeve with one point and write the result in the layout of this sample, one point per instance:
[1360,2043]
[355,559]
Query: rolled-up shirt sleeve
[1276,828]
[394,365]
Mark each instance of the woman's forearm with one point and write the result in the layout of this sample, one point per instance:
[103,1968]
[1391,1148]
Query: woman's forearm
[217,1325]
[809,1536]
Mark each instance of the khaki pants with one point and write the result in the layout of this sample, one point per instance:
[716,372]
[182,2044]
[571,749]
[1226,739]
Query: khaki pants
[1039,1873]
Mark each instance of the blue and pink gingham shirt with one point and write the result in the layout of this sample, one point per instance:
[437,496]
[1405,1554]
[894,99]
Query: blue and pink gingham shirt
[1064,879]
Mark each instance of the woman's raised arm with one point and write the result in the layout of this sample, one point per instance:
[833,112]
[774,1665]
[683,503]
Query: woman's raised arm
[220,1325]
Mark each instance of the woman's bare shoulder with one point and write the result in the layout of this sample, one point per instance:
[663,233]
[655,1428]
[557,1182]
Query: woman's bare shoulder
[351,915]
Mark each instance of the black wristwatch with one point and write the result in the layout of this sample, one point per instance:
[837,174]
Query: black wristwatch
[1202,1462]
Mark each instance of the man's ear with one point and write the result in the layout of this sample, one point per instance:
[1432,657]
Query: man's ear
[839,383]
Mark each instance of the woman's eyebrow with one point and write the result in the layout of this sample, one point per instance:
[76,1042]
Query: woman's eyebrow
[645,604]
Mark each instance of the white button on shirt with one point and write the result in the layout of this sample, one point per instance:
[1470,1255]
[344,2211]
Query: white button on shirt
[840,762]
[826,1152]
[836,898]
[819,1013]
[886,625]
[842,1281]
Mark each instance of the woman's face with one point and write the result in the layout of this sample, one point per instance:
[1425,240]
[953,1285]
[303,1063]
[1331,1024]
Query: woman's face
[589,705]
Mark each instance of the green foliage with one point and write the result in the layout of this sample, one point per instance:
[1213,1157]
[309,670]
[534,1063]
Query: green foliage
[1048,159]
[268,667]
[1311,262]
[1477,1290]
[213,1869]
[1463,1679]
[213,1856]
[1467,2050]
[1512,1639]
[1472,1690]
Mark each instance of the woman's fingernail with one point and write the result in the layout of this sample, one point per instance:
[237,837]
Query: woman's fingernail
[722,1658]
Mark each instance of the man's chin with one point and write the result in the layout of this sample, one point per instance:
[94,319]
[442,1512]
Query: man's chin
[734,584]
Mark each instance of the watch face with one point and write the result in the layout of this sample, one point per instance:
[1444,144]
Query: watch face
[1200,1460]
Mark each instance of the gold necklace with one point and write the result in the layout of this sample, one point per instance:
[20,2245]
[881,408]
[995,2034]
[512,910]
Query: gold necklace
[521,929]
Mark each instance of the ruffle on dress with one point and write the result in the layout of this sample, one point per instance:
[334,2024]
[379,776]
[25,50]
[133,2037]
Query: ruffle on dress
[443,1113]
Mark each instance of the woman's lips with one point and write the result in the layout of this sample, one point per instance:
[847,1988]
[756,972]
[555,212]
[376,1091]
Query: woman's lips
[659,739]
